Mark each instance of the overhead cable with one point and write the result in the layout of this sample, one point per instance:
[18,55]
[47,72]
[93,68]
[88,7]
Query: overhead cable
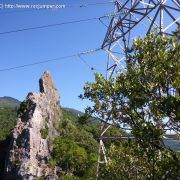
[51,60]
[57,24]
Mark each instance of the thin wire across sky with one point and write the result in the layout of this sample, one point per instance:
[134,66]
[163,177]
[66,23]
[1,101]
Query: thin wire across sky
[43,61]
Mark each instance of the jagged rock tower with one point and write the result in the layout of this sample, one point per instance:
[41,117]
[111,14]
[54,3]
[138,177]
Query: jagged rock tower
[31,146]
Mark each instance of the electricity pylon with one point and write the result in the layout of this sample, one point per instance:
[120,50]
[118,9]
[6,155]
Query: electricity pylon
[133,19]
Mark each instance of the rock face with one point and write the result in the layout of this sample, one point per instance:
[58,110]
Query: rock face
[38,119]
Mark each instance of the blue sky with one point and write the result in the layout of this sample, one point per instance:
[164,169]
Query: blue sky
[36,45]
[31,46]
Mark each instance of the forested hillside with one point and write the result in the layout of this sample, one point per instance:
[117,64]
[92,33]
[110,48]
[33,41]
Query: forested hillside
[75,150]
[8,117]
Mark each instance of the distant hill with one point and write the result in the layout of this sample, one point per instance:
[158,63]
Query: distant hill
[74,111]
[78,113]
[9,102]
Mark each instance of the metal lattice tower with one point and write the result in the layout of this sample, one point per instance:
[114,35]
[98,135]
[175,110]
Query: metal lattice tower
[133,19]
[136,18]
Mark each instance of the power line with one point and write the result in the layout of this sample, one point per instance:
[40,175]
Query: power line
[51,60]
[87,64]
[57,24]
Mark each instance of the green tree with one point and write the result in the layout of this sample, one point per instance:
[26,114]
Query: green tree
[69,155]
[145,97]
[75,150]
[8,118]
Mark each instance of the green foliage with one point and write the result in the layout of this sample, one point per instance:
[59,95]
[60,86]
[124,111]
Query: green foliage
[124,163]
[129,161]
[75,151]
[71,122]
[8,117]
[145,97]
[44,131]
[69,116]
[52,163]
[84,119]
[69,177]
[41,178]
[22,108]
[70,156]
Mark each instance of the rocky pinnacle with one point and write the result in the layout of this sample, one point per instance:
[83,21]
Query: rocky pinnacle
[31,146]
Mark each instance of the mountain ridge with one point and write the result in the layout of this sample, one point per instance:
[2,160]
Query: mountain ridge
[7,101]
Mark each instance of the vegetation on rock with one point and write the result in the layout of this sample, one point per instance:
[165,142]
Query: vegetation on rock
[44,131]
